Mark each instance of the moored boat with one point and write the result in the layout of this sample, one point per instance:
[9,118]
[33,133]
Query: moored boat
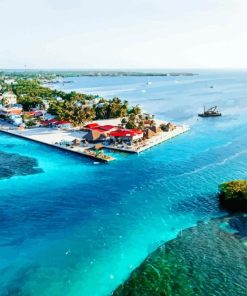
[211,112]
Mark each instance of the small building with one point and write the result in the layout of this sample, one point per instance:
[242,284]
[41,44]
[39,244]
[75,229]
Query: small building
[148,133]
[148,116]
[9,98]
[46,104]
[63,124]
[59,99]
[169,127]
[94,136]
[36,113]
[12,110]
[76,142]
[50,122]
[15,119]
[9,81]
[57,123]
[156,129]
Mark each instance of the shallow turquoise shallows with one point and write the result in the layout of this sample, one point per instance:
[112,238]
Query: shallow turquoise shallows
[74,228]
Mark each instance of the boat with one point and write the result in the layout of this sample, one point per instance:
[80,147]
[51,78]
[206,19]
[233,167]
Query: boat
[211,112]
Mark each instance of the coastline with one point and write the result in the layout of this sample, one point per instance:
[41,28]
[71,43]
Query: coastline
[51,137]
[74,151]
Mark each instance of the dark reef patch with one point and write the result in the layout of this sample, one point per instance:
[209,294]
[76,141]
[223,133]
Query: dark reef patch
[205,203]
[204,260]
[17,285]
[12,164]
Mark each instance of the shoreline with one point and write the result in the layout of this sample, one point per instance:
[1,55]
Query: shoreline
[72,150]
[52,137]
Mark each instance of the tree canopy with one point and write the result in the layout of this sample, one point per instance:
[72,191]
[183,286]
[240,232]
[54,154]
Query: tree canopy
[233,195]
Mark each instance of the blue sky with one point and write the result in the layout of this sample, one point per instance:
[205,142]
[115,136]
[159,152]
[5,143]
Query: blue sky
[123,34]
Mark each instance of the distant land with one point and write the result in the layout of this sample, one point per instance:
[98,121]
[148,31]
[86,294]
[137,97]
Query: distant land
[93,73]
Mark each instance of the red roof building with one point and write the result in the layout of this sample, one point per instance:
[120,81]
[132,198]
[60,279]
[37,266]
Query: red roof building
[92,125]
[49,122]
[115,131]
[133,134]
[101,128]
[108,127]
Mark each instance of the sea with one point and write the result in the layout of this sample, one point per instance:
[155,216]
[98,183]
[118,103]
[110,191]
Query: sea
[73,227]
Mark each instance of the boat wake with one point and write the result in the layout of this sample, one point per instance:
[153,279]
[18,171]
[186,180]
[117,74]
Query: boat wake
[214,164]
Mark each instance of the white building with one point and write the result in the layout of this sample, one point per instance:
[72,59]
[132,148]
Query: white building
[9,81]
[9,98]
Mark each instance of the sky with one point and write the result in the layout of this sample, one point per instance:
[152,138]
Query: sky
[131,34]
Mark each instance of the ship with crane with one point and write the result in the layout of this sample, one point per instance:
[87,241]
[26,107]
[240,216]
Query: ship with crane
[211,112]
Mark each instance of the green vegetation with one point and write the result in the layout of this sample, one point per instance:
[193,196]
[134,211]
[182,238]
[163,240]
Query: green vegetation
[53,74]
[233,195]
[111,108]
[74,107]
[30,123]
[133,118]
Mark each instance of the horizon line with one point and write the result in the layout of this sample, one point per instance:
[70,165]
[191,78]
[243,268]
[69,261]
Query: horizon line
[121,69]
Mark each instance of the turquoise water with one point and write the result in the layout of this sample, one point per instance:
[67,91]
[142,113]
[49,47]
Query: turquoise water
[78,228]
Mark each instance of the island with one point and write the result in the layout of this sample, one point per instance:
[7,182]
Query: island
[50,75]
[88,125]
[233,195]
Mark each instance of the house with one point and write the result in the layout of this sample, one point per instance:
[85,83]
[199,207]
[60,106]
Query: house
[9,81]
[156,129]
[76,142]
[94,136]
[9,98]
[57,123]
[98,133]
[15,119]
[35,113]
[170,127]
[148,115]
[49,122]
[13,110]
[46,104]
[63,124]
[148,133]
[59,99]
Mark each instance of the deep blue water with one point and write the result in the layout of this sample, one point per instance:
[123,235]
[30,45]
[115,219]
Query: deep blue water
[76,228]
